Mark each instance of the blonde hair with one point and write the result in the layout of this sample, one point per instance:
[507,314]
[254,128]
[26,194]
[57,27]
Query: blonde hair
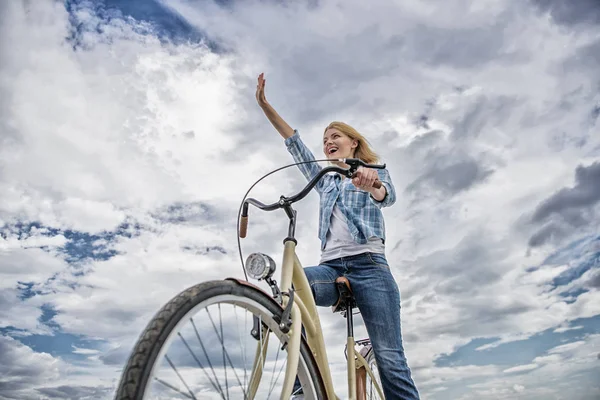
[363,150]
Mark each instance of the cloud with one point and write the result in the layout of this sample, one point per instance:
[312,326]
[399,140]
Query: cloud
[75,392]
[569,208]
[594,281]
[126,150]
[564,329]
[571,362]
[20,265]
[518,388]
[165,22]
[452,178]
[583,194]
[586,11]
[22,369]
[520,368]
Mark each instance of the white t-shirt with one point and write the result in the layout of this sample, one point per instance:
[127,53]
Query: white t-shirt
[339,242]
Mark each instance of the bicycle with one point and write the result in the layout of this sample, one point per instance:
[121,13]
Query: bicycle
[279,315]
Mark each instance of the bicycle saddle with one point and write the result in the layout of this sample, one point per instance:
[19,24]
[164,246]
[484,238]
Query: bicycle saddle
[346,296]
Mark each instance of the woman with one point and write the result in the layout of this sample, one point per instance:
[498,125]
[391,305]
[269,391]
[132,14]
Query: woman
[352,233]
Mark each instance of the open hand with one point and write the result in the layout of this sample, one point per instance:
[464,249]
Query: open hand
[260,90]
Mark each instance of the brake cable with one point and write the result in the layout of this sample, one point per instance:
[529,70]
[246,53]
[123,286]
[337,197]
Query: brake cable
[248,192]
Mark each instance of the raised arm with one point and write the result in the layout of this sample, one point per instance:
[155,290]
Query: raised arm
[294,144]
[282,127]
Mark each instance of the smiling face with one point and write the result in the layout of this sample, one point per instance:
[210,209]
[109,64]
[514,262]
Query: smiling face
[338,145]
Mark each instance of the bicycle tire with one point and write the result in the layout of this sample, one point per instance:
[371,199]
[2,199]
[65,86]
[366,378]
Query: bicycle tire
[138,369]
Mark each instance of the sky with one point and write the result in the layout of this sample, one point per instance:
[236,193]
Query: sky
[129,134]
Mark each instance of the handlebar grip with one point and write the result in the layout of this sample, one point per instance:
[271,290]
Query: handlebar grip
[376,184]
[243,226]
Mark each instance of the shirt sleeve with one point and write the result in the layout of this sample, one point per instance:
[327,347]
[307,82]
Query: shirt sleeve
[301,153]
[390,196]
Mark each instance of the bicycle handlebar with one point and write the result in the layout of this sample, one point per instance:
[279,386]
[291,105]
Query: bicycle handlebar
[285,202]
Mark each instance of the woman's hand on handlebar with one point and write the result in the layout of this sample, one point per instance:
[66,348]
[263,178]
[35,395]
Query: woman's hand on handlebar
[364,178]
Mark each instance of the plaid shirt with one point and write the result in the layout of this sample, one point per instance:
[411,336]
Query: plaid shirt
[363,212]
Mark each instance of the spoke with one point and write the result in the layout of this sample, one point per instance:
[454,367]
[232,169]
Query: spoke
[173,388]
[180,377]
[200,365]
[246,381]
[272,385]
[206,355]
[278,375]
[225,353]
[368,377]
[242,347]
[223,347]
[261,341]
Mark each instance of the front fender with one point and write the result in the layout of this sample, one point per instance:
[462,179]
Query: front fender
[253,286]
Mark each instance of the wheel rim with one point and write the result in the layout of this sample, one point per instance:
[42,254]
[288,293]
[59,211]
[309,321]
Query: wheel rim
[223,375]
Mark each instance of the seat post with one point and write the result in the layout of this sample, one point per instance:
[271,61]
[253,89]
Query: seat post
[350,351]
[349,321]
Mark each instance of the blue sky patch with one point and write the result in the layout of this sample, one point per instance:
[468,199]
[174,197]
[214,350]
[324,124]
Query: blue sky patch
[80,246]
[163,21]
[518,352]
[26,290]
[577,270]
[581,255]
[57,344]
[568,252]
[48,313]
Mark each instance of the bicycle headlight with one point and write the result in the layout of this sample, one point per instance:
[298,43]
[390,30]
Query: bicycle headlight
[260,266]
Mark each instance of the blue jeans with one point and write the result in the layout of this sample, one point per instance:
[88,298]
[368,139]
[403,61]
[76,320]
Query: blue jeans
[378,299]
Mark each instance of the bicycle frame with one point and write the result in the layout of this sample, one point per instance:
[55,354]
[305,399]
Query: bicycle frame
[305,312]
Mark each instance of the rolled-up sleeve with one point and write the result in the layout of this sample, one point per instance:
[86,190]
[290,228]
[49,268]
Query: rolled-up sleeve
[390,196]
[301,153]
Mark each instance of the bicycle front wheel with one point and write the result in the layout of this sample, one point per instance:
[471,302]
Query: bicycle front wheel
[216,340]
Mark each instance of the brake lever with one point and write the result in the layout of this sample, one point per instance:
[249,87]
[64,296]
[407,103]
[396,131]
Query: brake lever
[354,163]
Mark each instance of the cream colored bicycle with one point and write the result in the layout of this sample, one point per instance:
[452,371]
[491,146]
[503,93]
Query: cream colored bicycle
[230,339]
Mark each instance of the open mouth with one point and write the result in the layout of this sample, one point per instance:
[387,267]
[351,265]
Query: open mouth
[332,150]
